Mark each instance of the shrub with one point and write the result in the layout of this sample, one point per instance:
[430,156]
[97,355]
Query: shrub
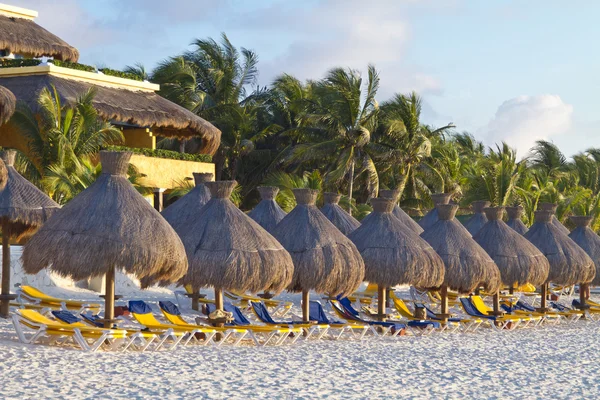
[159,153]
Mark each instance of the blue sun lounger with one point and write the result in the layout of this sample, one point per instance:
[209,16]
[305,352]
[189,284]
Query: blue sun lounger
[318,315]
[497,322]
[262,313]
[394,328]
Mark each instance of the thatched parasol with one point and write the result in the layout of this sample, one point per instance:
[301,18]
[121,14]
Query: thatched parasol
[514,219]
[399,213]
[552,208]
[467,264]
[23,209]
[228,250]
[267,213]
[518,260]
[108,226]
[432,216]
[394,254]
[476,222]
[569,263]
[8,103]
[589,241]
[180,213]
[324,259]
[345,222]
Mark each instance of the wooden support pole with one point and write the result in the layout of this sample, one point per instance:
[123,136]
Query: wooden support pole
[381,303]
[582,297]
[158,199]
[444,305]
[219,299]
[109,298]
[305,306]
[195,302]
[4,305]
[497,303]
[544,296]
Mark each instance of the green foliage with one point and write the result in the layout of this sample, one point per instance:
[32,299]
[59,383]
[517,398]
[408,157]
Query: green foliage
[159,153]
[74,65]
[121,74]
[18,62]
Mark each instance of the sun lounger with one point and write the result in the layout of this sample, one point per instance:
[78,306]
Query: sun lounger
[87,338]
[404,312]
[318,315]
[36,296]
[485,310]
[468,324]
[266,334]
[279,308]
[383,328]
[496,322]
[142,313]
[522,308]
[262,313]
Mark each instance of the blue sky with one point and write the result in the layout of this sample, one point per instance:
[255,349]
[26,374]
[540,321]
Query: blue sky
[504,70]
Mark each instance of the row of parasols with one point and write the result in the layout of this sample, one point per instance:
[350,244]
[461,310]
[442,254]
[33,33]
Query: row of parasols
[204,240]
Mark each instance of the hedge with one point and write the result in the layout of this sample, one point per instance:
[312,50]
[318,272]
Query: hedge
[160,153]
[18,62]
[120,74]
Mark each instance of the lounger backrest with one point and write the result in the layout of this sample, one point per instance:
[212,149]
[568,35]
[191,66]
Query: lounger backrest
[37,294]
[262,313]
[470,308]
[342,312]
[507,308]
[169,307]
[480,305]
[347,304]
[316,312]
[238,316]
[142,312]
[93,319]
[402,308]
[524,306]
[430,314]
[66,316]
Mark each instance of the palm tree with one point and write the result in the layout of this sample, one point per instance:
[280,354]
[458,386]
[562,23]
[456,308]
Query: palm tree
[138,70]
[337,121]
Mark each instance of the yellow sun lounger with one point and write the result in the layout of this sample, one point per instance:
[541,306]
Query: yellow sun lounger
[87,338]
[38,297]
[403,310]
[485,310]
[367,296]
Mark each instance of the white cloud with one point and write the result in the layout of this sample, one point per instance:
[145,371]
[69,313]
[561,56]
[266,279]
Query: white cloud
[522,120]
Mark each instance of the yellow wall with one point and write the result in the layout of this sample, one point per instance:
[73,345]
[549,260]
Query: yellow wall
[166,174]
[141,138]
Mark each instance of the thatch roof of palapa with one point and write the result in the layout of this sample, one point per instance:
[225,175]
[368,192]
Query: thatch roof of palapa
[588,240]
[399,213]
[468,266]
[552,208]
[181,212]
[569,263]
[325,260]
[476,222]
[24,36]
[228,250]
[432,216]
[345,222]
[130,107]
[267,212]
[514,219]
[394,254]
[518,260]
[8,103]
[108,225]
[22,205]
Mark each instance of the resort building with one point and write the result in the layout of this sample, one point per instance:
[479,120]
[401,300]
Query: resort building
[31,59]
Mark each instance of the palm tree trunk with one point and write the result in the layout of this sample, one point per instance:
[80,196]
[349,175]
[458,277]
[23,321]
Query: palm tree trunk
[402,184]
[351,188]
[182,145]
[234,167]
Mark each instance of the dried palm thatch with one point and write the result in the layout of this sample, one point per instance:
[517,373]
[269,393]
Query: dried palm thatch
[569,263]
[129,107]
[8,103]
[345,222]
[399,213]
[589,241]
[23,36]
[267,213]
[23,207]
[476,222]
[552,208]
[432,216]
[467,264]
[325,260]
[514,219]
[229,250]
[180,213]
[109,225]
[518,260]
[394,254]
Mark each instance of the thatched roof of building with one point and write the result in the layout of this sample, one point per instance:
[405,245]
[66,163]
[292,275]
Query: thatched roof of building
[393,253]
[139,108]
[24,36]
[552,208]
[468,266]
[514,219]
[476,222]
[325,260]
[518,260]
[228,250]
[399,213]
[569,263]
[589,241]
[181,212]
[7,104]
[432,216]
[267,212]
[345,222]
[108,225]
[22,205]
